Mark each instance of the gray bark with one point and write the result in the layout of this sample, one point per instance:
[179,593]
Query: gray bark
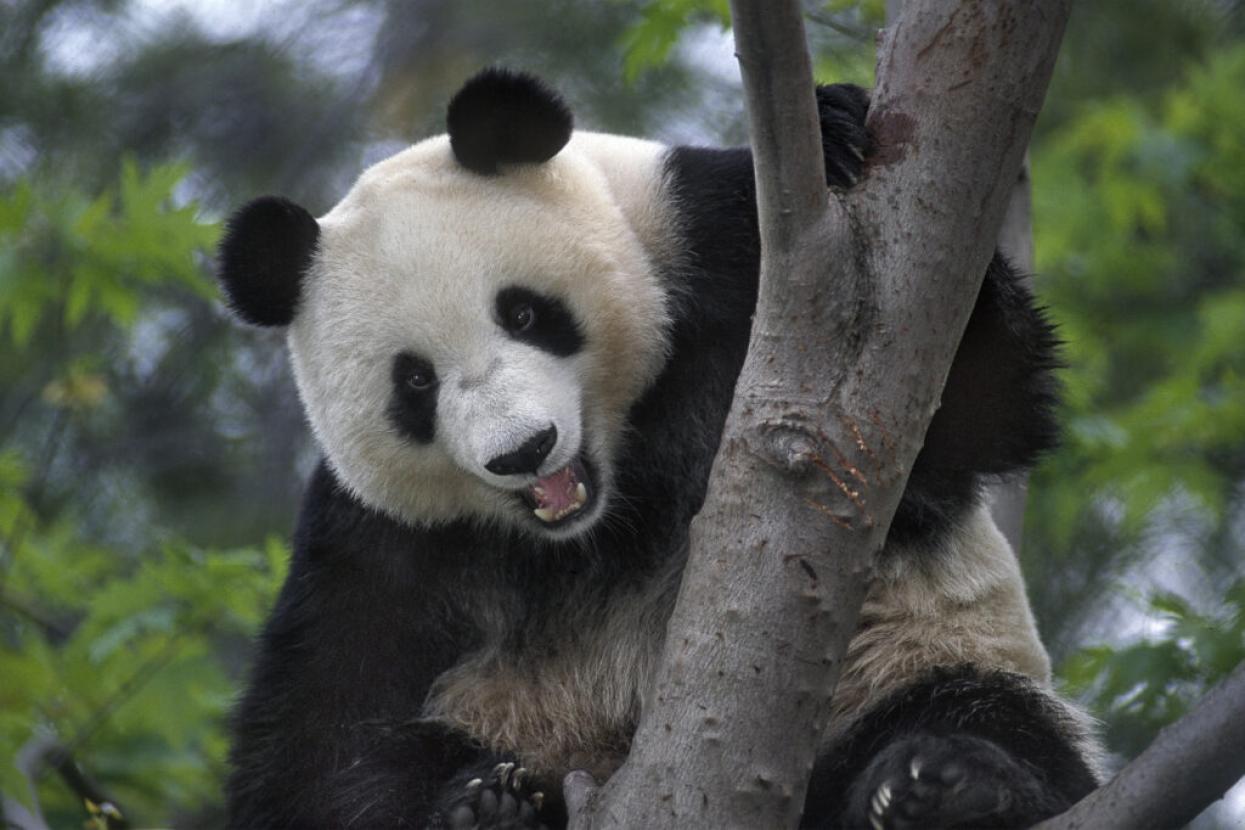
[1007,498]
[863,299]
[1190,764]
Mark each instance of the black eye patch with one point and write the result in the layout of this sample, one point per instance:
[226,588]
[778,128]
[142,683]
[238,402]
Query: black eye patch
[413,401]
[538,319]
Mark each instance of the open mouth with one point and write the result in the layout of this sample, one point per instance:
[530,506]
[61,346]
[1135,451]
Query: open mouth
[557,497]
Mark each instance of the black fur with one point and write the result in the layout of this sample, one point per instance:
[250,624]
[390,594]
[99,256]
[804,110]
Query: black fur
[504,117]
[998,407]
[976,736]
[267,247]
[528,457]
[551,327]
[844,140]
[413,410]
[330,733]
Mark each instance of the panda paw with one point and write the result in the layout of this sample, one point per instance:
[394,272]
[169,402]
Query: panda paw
[957,781]
[498,802]
[845,141]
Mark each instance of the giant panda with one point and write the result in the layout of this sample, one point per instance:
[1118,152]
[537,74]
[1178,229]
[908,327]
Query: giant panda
[516,345]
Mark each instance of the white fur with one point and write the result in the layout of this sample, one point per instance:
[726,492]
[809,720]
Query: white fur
[411,260]
[549,706]
[571,700]
[965,603]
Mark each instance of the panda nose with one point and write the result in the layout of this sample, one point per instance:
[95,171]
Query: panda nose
[528,457]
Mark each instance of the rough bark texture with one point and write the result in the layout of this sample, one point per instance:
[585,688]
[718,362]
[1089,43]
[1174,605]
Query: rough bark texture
[1190,764]
[1007,498]
[862,303]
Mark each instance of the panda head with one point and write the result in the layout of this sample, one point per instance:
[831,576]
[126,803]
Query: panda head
[470,324]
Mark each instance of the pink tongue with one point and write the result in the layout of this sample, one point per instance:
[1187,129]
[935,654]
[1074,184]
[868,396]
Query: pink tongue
[557,491]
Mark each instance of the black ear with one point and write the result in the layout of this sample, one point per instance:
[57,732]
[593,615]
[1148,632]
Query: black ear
[267,247]
[504,117]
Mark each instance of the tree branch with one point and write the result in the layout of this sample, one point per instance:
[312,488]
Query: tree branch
[862,302]
[43,751]
[1190,764]
[847,30]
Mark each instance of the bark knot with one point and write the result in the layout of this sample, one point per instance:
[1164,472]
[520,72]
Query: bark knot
[789,445]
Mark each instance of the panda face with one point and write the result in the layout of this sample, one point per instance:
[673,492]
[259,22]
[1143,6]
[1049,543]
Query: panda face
[468,346]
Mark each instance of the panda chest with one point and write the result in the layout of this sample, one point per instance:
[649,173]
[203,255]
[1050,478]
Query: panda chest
[569,696]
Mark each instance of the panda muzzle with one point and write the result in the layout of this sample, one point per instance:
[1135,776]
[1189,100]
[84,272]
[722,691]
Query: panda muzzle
[560,494]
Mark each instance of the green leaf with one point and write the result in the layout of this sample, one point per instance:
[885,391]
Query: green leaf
[647,44]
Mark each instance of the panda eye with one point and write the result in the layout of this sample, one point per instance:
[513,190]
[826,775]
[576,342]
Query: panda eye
[421,379]
[520,317]
[539,320]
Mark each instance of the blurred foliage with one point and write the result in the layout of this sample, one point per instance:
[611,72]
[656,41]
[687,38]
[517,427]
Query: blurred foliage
[1139,198]
[426,48]
[63,252]
[148,447]
[650,39]
[121,658]
[118,651]
[1141,687]
[1138,204]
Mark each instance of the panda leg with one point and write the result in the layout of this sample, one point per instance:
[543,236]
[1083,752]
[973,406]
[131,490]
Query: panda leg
[963,747]
[944,781]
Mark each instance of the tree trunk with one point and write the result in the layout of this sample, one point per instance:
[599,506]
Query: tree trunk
[1006,498]
[863,300]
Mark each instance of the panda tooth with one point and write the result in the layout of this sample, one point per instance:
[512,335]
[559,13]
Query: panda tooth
[581,493]
[545,514]
[882,798]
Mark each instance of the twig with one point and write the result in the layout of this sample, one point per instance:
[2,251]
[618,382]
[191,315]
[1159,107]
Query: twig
[43,752]
[856,33]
